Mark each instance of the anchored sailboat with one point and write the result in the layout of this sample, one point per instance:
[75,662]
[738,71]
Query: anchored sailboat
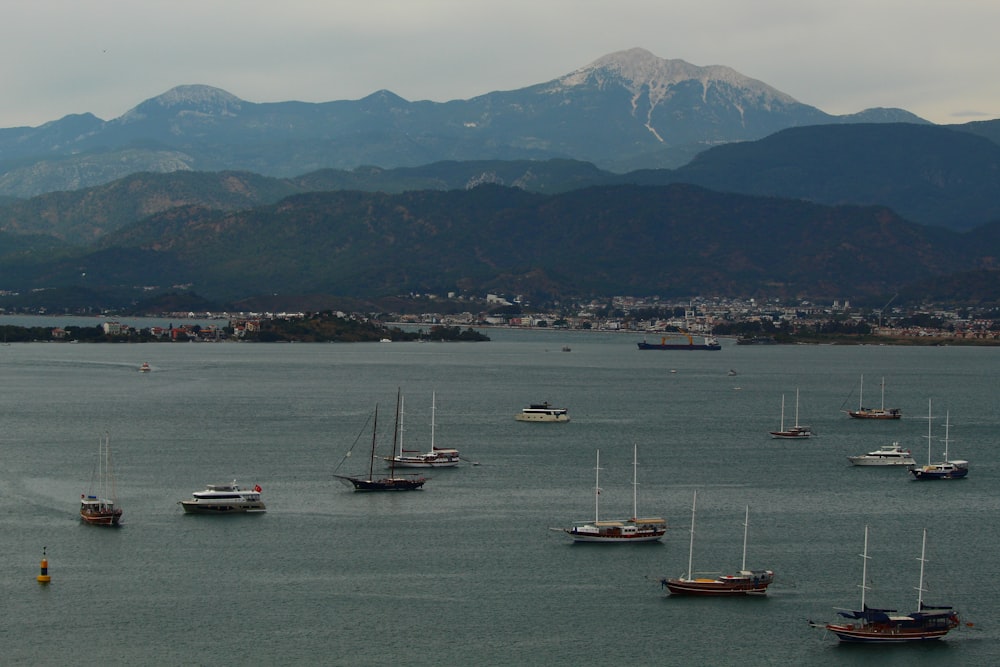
[633,529]
[744,582]
[99,507]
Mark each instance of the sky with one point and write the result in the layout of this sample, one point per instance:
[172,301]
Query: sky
[939,60]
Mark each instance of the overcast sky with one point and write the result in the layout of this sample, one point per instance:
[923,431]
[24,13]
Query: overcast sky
[939,60]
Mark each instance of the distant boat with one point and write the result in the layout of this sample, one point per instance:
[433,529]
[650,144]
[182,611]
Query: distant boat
[873,413]
[886,455]
[390,483]
[744,582]
[793,432]
[542,412]
[225,499]
[946,469]
[710,343]
[887,626]
[144,368]
[99,507]
[410,458]
[756,340]
[624,531]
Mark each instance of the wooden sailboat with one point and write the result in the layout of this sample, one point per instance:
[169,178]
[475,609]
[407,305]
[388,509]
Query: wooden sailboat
[882,626]
[631,530]
[99,507]
[744,582]
[390,483]
[873,413]
[796,431]
[946,469]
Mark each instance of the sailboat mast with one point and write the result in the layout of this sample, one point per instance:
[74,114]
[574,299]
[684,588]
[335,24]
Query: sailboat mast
[694,502]
[861,394]
[796,406]
[883,393]
[782,413]
[929,437]
[864,570]
[746,527]
[433,404]
[947,424]
[597,488]
[371,464]
[920,587]
[635,482]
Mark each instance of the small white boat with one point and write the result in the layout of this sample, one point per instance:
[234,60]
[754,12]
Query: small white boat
[886,455]
[542,412]
[144,368]
[224,499]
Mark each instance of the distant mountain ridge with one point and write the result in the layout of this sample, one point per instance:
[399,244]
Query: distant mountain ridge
[624,111]
[673,241]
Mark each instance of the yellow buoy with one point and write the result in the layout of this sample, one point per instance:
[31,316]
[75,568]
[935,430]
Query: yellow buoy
[43,576]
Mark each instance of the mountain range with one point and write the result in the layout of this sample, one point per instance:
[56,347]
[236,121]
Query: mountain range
[625,111]
[198,191]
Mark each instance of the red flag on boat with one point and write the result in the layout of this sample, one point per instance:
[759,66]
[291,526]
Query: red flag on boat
[256,488]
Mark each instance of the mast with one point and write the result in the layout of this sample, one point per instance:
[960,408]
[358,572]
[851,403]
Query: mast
[947,416]
[371,465]
[883,393]
[929,440]
[861,394]
[796,406]
[864,570]
[920,587]
[597,488]
[691,547]
[782,413]
[746,527]
[635,482]
[401,412]
[433,403]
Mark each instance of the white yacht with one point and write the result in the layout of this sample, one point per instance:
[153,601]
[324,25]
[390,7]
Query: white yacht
[542,412]
[886,455]
[224,499]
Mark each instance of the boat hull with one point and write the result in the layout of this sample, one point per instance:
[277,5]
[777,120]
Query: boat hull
[791,435]
[615,539]
[879,461]
[875,414]
[109,518]
[195,507]
[924,475]
[405,463]
[548,418]
[678,346]
[386,484]
[729,586]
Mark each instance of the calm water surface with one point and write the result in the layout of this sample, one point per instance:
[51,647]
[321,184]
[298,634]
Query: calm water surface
[467,571]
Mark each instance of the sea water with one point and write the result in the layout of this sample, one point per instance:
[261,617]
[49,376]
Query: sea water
[467,571]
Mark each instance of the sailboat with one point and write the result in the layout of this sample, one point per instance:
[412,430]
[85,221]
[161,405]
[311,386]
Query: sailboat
[633,529]
[793,432]
[744,582]
[390,483]
[870,625]
[411,458]
[873,413]
[945,469]
[100,506]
